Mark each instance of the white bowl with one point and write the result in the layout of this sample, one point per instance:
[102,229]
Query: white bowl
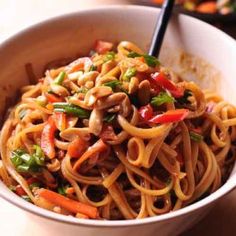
[68,35]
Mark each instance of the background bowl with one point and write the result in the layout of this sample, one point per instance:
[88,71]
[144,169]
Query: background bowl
[211,18]
[73,34]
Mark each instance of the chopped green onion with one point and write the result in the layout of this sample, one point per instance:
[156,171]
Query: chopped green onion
[23,168]
[109,118]
[129,73]
[71,109]
[28,159]
[150,60]
[25,162]
[59,79]
[162,98]
[61,190]
[39,156]
[133,54]
[109,56]
[113,84]
[93,68]
[195,136]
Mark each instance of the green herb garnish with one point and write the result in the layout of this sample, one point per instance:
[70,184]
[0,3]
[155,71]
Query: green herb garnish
[93,68]
[59,79]
[24,162]
[113,84]
[195,136]
[61,190]
[109,56]
[150,60]
[162,98]
[109,118]
[71,109]
[130,72]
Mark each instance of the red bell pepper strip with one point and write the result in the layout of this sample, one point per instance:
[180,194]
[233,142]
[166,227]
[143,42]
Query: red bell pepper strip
[146,112]
[53,98]
[20,191]
[102,47]
[170,116]
[47,138]
[83,63]
[77,147]
[165,83]
[60,120]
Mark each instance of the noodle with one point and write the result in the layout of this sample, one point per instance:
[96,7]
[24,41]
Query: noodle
[114,133]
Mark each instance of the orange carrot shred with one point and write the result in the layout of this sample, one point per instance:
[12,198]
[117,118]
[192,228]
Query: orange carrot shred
[68,204]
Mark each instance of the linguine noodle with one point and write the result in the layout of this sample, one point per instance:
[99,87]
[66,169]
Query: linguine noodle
[110,136]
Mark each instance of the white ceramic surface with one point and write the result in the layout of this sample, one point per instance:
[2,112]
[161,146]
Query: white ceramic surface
[75,33]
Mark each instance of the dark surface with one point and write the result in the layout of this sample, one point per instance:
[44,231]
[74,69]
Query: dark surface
[229,28]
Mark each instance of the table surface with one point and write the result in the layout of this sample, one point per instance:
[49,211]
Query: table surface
[16,15]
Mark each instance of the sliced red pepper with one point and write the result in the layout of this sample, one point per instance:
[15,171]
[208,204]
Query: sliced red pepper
[60,120]
[77,147]
[107,133]
[20,191]
[162,80]
[170,116]
[102,47]
[47,138]
[53,98]
[146,112]
[83,63]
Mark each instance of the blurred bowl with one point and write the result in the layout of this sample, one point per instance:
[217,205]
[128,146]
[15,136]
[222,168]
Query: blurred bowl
[192,48]
[210,18]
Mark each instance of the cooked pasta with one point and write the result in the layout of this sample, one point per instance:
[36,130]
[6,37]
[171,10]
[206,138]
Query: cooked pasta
[112,136]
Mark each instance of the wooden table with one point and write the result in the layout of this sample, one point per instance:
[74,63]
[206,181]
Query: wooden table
[16,15]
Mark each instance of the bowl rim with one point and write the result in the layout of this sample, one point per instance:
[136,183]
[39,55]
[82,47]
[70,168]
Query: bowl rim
[17,201]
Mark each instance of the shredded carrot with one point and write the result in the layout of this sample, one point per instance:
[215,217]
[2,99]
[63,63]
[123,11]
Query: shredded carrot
[97,147]
[77,147]
[68,204]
